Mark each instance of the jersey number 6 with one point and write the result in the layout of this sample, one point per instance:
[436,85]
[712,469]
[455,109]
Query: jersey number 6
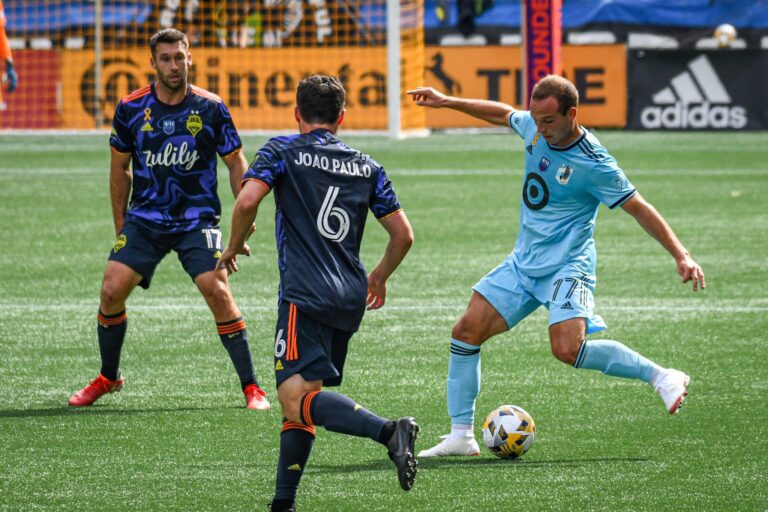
[326,212]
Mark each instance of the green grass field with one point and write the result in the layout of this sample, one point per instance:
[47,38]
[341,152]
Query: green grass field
[177,437]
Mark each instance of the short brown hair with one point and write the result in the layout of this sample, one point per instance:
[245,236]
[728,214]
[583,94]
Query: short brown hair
[320,99]
[559,88]
[169,36]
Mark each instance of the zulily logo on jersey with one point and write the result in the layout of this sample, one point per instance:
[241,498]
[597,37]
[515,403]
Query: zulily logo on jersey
[172,155]
[696,98]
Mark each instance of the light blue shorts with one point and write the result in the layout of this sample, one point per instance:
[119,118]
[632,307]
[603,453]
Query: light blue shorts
[567,294]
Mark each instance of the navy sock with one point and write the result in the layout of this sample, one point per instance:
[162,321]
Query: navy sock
[339,413]
[111,333]
[234,337]
[295,446]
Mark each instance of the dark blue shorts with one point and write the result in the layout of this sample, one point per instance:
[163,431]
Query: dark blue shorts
[142,249]
[306,346]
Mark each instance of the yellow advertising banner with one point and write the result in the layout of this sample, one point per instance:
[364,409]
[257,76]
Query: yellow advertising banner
[258,85]
[495,73]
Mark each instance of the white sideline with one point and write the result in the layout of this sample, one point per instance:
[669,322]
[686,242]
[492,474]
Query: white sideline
[7,306]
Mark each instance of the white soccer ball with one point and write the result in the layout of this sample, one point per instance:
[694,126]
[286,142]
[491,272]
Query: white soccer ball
[725,35]
[509,431]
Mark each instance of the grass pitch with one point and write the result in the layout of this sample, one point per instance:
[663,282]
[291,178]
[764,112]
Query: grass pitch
[177,437]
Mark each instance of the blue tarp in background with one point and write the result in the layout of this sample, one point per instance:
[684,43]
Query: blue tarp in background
[26,16]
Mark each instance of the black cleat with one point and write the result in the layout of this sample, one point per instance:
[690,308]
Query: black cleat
[401,451]
[282,506]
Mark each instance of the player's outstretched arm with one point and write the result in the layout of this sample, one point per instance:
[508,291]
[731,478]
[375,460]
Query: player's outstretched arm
[655,225]
[243,215]
[119,186]
[400,242]
[493,112]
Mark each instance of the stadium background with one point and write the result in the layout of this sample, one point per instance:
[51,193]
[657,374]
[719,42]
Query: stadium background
[177,437]
[253,54]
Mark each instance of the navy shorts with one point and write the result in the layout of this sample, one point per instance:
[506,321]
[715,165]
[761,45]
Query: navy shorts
[142,249]
[308,347]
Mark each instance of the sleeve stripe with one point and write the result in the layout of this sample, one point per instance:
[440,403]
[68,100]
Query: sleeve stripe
[233,152]
[623,199]
[257,180]
[121,152]
[389,214]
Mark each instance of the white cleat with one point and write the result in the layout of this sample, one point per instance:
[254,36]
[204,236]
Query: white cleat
[452,446]
[671,388]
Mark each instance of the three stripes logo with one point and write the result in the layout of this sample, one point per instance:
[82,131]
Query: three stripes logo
[695,98]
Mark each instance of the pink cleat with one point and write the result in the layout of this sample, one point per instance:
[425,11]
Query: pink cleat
[255,398]
[98,387]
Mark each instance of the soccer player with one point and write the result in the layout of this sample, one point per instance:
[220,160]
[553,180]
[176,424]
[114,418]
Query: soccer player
[568,173]
[10,77]
[171,131]
[323,191]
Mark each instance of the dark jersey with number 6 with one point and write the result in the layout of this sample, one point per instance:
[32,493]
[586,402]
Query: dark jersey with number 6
[323,191]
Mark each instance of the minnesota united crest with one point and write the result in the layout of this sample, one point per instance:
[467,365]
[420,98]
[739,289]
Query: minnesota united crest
[564,174]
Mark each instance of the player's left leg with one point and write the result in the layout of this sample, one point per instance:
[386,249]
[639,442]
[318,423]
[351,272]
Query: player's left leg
[233,333]
[198,252]
[572,318]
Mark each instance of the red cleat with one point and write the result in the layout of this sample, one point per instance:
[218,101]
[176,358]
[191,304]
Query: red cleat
[98,387]
[255,398]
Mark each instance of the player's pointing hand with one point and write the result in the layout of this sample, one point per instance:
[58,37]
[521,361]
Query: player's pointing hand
[428,97]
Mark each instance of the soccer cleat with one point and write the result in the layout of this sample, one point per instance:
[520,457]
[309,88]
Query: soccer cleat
[671,388]
[98,387]
[401,449]
[255,398]
[282,506]
[453,446]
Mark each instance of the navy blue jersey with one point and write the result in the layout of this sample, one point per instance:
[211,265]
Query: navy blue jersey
[173,150]
[323,191]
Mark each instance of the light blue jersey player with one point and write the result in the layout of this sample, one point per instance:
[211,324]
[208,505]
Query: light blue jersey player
[568,174]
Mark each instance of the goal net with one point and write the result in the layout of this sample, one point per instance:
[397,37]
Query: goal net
[75,60]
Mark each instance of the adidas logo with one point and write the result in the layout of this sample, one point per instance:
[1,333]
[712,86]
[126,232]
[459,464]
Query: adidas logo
[696,98]
[295,467]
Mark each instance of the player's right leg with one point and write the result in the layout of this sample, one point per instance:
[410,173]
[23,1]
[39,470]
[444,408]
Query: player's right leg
[132,262]
[498,303]
[119,281]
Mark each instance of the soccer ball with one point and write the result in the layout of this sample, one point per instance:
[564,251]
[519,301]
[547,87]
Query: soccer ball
[725,35]
[509,432]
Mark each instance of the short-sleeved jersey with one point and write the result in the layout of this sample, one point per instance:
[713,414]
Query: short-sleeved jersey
[323,191]
[173,150]
[562,190]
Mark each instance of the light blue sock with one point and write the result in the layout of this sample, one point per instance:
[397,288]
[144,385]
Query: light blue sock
[614,358]
[463,381]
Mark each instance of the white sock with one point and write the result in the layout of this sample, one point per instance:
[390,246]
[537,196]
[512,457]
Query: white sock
[461,430]
[658,373]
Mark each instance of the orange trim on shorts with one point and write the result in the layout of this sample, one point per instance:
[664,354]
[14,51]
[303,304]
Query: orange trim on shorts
[289,425]
[230,328]
[307,406]
[104,320]
[293,352]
